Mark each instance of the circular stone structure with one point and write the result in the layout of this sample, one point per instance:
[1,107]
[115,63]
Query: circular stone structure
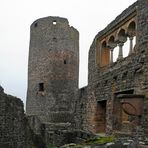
[53,70]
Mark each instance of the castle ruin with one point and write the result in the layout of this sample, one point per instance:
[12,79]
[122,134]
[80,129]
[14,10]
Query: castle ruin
[115,102]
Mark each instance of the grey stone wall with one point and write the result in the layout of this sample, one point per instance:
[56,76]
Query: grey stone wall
[54,62]
[13,124]
[15,131]
[142,30]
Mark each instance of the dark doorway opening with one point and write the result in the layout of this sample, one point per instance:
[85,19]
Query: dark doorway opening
[101,117]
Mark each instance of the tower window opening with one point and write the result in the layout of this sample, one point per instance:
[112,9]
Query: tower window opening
[65,62]
[36,24]
[54,22]
[55,39]
[41,86]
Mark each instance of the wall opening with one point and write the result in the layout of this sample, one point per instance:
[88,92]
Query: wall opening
[115,53]
[134,43]
[115,78]
[36,24]
[82,91]
[130,91]
[132,29]
[41,86]
[101,117]
[54,22]
[54,39]
[105,54]
[122,37]
[65,62]
[126,48]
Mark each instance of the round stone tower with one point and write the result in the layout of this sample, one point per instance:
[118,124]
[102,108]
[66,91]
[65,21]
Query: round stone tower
[53,70]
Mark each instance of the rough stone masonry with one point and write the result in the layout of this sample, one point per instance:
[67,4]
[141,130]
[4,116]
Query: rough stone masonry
[115,101]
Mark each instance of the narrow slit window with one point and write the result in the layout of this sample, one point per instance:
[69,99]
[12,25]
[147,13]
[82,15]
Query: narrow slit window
[41,86]
[35,25]
[65,62]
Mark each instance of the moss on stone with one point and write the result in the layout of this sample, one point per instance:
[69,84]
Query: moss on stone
[50,146]
[100,140]
[90,142]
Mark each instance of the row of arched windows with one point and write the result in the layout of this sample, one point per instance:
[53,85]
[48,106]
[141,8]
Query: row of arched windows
[118,45]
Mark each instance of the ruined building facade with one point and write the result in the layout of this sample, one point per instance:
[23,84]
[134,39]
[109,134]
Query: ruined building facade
[117,91]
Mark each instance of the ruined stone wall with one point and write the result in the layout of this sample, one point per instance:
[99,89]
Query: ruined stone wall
[128,75]
[13,124]
[15,131]
[80,108]
[142,30]
[53,70]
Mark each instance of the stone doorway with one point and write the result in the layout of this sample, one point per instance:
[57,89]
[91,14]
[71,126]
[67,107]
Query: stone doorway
[101,117]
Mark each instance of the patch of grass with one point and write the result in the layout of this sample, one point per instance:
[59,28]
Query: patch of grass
[92,141]
[99,140]
[50,146]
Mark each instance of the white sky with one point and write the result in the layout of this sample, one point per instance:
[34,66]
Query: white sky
[87,16]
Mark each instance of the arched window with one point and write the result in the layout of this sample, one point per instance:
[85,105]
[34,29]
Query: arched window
[111,41]
[105,54]
[131,31]
[112,45]
[122,37]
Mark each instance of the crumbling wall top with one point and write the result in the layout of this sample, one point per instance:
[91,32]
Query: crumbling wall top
[127,12]
[51,20]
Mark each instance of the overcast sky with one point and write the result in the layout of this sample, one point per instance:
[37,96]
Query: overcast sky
[87,16]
